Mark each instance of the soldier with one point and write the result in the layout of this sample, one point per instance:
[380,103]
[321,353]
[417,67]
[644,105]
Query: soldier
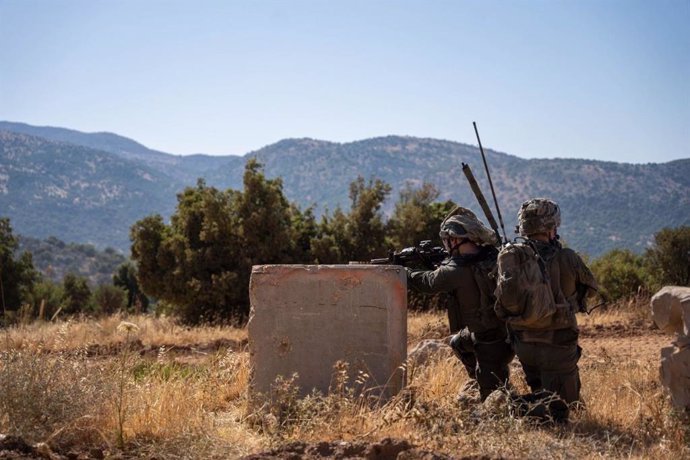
[548,349]
[480,340]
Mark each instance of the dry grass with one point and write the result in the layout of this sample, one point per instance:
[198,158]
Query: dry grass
[630,313]
[77,335]
[181,403]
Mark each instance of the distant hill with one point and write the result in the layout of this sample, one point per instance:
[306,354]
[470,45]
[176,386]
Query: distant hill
[53,184]
[55,258]
[183,168]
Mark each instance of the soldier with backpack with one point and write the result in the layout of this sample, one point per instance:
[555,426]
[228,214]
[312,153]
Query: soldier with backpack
[540,287]
[468,275]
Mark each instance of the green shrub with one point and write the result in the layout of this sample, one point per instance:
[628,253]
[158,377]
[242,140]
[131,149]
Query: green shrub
[45,299]
[109,299]
[621,273]
[669,258]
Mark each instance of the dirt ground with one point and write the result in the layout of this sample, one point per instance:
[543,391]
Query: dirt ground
[387,449]
[622,343]
[601,344]
[609,345]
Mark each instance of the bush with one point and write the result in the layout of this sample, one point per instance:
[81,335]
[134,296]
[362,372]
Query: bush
[45,299]
[620,273]
[109,299]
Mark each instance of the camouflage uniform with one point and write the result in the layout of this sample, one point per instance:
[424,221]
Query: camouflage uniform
[480,339]
[549,354]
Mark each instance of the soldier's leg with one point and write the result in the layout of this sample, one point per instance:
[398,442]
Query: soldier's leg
[463,347]
[560,373]
[531,359]
[493,360]
[532,376]
[557,365]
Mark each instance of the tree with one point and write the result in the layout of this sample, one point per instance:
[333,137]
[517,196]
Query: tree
[76,297]
[359,235]
[416,216]
[201,263]
[669,257]
[126,278]
[331,244]
[304,230]
[367,229]
[17,274]
[190,263]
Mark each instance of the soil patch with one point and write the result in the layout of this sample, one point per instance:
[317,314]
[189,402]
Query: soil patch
[620,329]
[387,449]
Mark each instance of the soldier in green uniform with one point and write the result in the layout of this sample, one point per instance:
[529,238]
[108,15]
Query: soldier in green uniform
[480,338]
[550,352]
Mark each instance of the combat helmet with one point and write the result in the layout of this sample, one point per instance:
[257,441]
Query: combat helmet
[538,215]
[463,223]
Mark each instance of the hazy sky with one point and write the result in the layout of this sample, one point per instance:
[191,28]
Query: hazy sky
[604,79]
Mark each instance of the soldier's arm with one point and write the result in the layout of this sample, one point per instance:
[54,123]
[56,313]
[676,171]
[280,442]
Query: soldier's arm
[432,281]
[585,283]
[586,278]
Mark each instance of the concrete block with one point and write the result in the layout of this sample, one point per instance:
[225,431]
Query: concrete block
[671,309]
[675,373]
[306,318]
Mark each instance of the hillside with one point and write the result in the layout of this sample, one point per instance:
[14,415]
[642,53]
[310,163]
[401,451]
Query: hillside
[76,193]
[90,188]
[183,168]
[605,204]
[55,258]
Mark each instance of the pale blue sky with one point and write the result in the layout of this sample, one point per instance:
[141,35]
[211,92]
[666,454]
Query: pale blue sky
[606,79]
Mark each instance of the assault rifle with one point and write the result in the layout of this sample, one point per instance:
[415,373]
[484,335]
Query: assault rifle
[423,255]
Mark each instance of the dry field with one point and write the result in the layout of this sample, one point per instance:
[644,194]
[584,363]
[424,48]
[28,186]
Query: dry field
[155,389]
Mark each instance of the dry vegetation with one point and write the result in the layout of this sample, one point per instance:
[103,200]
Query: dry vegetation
[165,391]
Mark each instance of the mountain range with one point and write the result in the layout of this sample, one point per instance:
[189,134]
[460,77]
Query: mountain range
[91,187]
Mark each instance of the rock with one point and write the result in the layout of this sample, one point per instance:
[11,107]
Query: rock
[428,350]
[469,394]
[671,309]
[675,372]
[497,404]
[96,453]
[15,444]
[44,451]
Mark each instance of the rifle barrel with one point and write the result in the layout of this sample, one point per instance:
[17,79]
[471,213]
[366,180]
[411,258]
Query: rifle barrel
[480,198]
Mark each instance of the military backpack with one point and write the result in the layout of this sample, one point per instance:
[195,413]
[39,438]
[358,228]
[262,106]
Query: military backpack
[524,298]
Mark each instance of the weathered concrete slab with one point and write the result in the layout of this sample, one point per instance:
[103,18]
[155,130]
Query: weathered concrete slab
[675,372]
[306,318]
[671,309]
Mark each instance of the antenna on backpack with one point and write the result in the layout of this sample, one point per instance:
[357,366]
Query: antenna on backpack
[491,184]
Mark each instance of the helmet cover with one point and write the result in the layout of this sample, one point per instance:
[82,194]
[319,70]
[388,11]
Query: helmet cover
[463,223]
[538,215]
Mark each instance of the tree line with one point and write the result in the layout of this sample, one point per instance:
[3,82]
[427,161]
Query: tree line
[198,265]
